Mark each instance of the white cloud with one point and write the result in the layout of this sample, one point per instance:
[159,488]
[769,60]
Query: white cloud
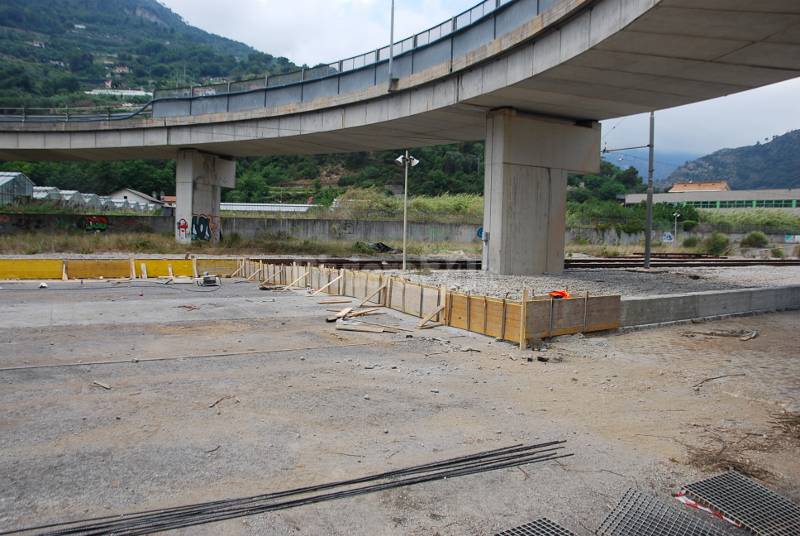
[732,121]
[314,31]
[320,31]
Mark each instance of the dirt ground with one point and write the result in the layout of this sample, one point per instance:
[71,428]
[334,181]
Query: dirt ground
[239,391]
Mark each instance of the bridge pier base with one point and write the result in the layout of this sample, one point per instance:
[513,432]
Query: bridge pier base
[525,190]
[199,180]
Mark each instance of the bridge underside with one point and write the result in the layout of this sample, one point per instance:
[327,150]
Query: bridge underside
[610,58]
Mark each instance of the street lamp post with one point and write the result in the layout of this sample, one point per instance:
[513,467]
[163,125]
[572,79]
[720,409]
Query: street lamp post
[676,215]
[405,160]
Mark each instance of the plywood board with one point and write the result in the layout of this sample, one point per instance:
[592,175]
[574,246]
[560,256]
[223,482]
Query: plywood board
[31,268]
[160,267]
[574,315]
[220,267]
[495,327]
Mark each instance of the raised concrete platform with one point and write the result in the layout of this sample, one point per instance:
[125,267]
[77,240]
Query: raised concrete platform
[670,308]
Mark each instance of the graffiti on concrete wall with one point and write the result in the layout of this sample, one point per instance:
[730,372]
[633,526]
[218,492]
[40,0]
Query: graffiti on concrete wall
[97,224]
[203,227]
[183,229]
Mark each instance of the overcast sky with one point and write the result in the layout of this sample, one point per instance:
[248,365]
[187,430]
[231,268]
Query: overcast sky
[317,31]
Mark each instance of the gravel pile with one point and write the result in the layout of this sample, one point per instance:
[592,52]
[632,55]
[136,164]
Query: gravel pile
[627,282]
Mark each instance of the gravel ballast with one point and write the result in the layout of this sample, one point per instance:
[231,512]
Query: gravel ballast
[626,282]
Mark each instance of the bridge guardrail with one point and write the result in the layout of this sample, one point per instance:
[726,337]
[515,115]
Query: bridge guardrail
[437,45]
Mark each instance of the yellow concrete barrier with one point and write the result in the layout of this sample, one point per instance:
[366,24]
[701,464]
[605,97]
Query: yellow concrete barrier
[31,268]
[98,268]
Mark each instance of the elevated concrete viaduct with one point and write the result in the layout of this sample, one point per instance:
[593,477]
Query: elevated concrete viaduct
[531,77]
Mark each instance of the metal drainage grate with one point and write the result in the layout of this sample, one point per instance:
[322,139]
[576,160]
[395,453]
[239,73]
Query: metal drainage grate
[540,527]
[751,504]
[638,514]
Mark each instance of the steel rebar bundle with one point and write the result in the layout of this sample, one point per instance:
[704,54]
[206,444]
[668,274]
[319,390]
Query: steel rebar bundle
[150,521]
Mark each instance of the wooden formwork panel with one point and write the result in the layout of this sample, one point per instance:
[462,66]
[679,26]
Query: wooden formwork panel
[98,268]
[160,267]
[550,318]
[431,299]
[605,312]
[220,267]
[31,268]
[474,312]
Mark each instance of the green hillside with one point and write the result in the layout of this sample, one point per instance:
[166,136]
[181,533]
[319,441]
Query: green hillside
[775,164]
[52,50]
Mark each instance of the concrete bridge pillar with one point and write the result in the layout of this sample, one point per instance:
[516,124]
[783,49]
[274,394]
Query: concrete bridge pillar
[528,159]
[200,178]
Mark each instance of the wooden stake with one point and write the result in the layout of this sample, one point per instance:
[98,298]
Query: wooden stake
[169,271]
[341,314]
[133,268]
[365,300]
[143,270]
[65,277]
[430,316]
[326,286]
[421,299]
[485,314]
[364,312]
[523,314]
[254,274]
[503,320]
[360,328]
[469,309]
[293,283]
[239,269]
[585,310]
[195,274]
[449,298]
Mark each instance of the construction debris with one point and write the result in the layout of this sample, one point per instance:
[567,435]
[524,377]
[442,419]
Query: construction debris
[699,384]
[358,326]
[101,384]
[742,334]
[217,401]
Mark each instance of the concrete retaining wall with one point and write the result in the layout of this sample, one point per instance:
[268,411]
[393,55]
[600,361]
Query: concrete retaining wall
[301,229]
[649,310]
[350,230]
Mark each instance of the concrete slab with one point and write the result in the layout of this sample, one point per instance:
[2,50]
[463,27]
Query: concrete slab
[200,425]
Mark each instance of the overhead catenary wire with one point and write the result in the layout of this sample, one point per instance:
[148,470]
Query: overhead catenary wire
[171,518]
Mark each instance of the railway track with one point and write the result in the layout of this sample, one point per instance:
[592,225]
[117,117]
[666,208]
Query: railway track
[661,261]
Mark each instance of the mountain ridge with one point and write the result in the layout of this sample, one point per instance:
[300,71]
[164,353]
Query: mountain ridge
[775,164]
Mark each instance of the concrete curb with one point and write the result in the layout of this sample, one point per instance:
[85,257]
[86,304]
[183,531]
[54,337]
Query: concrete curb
[652,311]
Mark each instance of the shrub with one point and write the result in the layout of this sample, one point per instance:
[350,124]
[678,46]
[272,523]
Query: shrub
[717,244]
[756,239]
[689,225]
[691,242]
[777,253]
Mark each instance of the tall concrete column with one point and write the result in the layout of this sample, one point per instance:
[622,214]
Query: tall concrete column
[199,180]
[527,162]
